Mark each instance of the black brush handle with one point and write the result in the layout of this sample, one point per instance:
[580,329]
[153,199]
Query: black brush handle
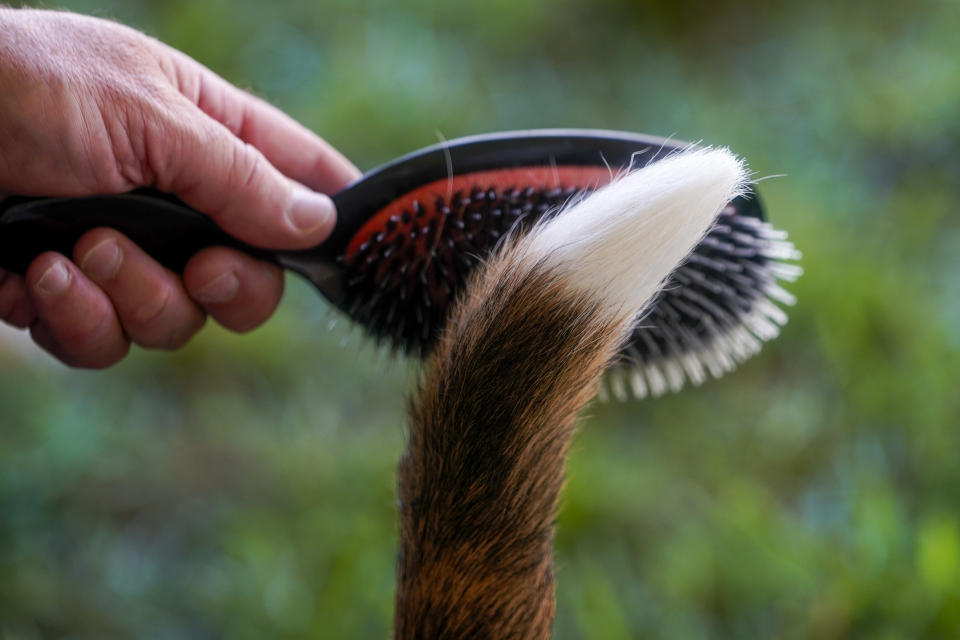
[163,226]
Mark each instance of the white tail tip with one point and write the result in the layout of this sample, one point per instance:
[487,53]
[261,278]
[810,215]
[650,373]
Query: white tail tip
[621,242]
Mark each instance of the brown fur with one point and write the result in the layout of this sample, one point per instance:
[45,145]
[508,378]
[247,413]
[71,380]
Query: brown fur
[490,429]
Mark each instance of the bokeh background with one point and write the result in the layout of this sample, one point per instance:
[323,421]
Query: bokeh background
[243,488]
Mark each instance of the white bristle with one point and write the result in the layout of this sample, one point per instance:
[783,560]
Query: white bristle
[780,294]
[674,373]
[694,368]
[620,243]
[655,381]
[637,383]
[618,385]
[788,272]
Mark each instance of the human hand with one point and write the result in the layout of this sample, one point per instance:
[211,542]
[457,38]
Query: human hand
[88,107]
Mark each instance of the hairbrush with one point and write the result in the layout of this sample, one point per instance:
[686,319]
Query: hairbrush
[410,232]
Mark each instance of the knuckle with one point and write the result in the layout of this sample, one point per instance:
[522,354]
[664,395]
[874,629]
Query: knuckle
[172,134]
[179,335]
[229,112]
[94,347]
[247,165]
[20,315]
[155,324]
[138,130]
[89,335]
[16,309]
[149,311]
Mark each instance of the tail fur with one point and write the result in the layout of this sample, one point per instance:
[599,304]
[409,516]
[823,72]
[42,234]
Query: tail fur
[493,417]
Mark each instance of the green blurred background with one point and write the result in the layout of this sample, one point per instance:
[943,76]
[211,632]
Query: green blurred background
[243,488]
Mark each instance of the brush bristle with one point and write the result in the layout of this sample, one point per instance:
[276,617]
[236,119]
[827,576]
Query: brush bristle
[714,312]
[403,278]
[711,313]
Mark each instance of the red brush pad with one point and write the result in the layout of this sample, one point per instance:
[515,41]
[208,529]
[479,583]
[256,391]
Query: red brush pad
[428,195]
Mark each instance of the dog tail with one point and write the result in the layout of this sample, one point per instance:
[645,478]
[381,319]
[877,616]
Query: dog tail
[491,422]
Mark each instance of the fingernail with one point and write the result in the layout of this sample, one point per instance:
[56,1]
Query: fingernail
[310,210]
[55,279]
[220,289]
[103,261]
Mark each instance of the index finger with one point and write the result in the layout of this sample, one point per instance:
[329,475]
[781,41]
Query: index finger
[288,145]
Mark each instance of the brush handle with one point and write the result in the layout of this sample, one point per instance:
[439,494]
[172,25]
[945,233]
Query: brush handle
[163,226]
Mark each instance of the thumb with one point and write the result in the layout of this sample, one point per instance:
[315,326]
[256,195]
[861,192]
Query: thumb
[231,181]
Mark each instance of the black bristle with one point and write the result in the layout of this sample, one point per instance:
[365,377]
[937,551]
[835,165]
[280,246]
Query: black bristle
[411,271]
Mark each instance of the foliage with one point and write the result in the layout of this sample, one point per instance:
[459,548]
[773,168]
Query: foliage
[243,488]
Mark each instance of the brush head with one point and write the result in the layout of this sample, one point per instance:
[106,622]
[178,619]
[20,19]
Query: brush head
[402,267]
